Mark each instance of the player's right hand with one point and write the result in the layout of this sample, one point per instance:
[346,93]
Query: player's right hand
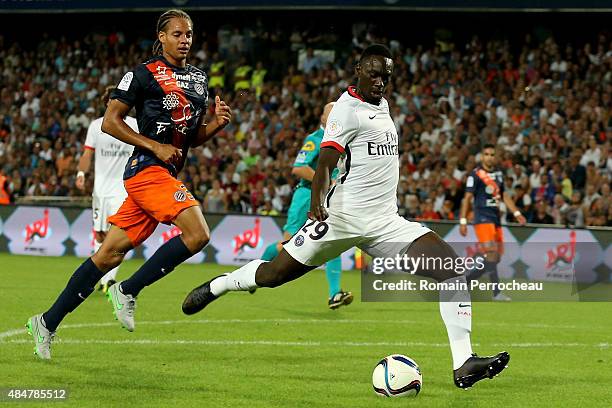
[463,230]
[317,212]
[167,153]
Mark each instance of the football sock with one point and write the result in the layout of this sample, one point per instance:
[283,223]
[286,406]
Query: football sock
[241,279]
[491,269]
[333,272]
[271,252]
[456,311]
[163,261]
[110,275]
[80,285]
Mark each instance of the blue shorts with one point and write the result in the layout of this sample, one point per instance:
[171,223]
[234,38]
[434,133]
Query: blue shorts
[298,210]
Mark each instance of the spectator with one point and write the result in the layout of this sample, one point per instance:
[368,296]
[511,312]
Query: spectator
[215,200]
[559,209]
[541,215]
[575,214]
[596,214]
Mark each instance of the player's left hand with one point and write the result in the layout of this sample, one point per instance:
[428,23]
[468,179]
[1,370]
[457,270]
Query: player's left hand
[223,113]
[317,212]
[521,219]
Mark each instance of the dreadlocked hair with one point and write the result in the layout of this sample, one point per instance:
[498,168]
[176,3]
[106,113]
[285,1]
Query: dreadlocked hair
[162,22]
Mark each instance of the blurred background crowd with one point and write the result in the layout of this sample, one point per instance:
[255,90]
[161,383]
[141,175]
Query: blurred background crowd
[545,104]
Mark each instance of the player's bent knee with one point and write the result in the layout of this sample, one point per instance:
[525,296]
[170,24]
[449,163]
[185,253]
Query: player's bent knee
[107,259]
[269,275]
[195,242]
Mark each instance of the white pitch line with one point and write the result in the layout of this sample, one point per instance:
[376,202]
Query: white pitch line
[147,342]
[11,333]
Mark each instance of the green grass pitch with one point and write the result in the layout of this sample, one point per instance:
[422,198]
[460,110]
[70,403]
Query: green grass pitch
[284,348]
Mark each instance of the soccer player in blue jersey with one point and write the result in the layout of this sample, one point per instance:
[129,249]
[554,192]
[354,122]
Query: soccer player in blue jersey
[171,101]
[304,167]
[485,185]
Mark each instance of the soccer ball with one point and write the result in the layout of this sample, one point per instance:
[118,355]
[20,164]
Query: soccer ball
[397,376]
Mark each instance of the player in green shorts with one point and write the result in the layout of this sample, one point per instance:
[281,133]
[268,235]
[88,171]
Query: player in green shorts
[304,167]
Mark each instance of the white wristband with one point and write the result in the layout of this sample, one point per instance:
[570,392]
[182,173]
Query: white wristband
[80,173]
[517,214]
[463,221]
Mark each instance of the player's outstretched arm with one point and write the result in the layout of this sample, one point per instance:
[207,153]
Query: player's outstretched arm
[114,125]
[512,207]
[328,160]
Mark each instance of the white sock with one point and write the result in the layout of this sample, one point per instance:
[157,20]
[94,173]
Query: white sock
[241,279]
[110,275]
[456,311]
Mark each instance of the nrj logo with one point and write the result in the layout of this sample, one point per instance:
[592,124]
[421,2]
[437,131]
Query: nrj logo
[563,256]
[38,229]
[171,233]
[248,239]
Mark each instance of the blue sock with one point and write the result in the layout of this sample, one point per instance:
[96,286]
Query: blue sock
[80,285]
[333,271]
[270,253]
[163,261]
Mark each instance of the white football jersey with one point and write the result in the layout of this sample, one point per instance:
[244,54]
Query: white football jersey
[369,167]
[111,156]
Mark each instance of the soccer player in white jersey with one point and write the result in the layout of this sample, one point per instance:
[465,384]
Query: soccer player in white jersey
[110,156]
[361,210]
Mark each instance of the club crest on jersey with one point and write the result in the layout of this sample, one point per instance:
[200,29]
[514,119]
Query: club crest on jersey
[199,89]
[333,128]
[180,196]
[170,101]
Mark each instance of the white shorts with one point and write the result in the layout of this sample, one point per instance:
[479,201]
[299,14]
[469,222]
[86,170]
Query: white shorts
[384,236]
[103,208]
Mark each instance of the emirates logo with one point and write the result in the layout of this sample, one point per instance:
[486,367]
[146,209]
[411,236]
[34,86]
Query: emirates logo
[170,101]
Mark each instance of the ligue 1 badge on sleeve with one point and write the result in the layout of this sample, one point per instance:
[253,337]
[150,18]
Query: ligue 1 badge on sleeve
[333,128]
[124,85]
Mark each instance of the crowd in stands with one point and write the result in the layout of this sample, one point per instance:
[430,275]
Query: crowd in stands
[546,106]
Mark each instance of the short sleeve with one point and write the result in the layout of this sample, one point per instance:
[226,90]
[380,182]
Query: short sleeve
[308,154]
[341,128]
[129,89]
[90,139]
[470,183]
